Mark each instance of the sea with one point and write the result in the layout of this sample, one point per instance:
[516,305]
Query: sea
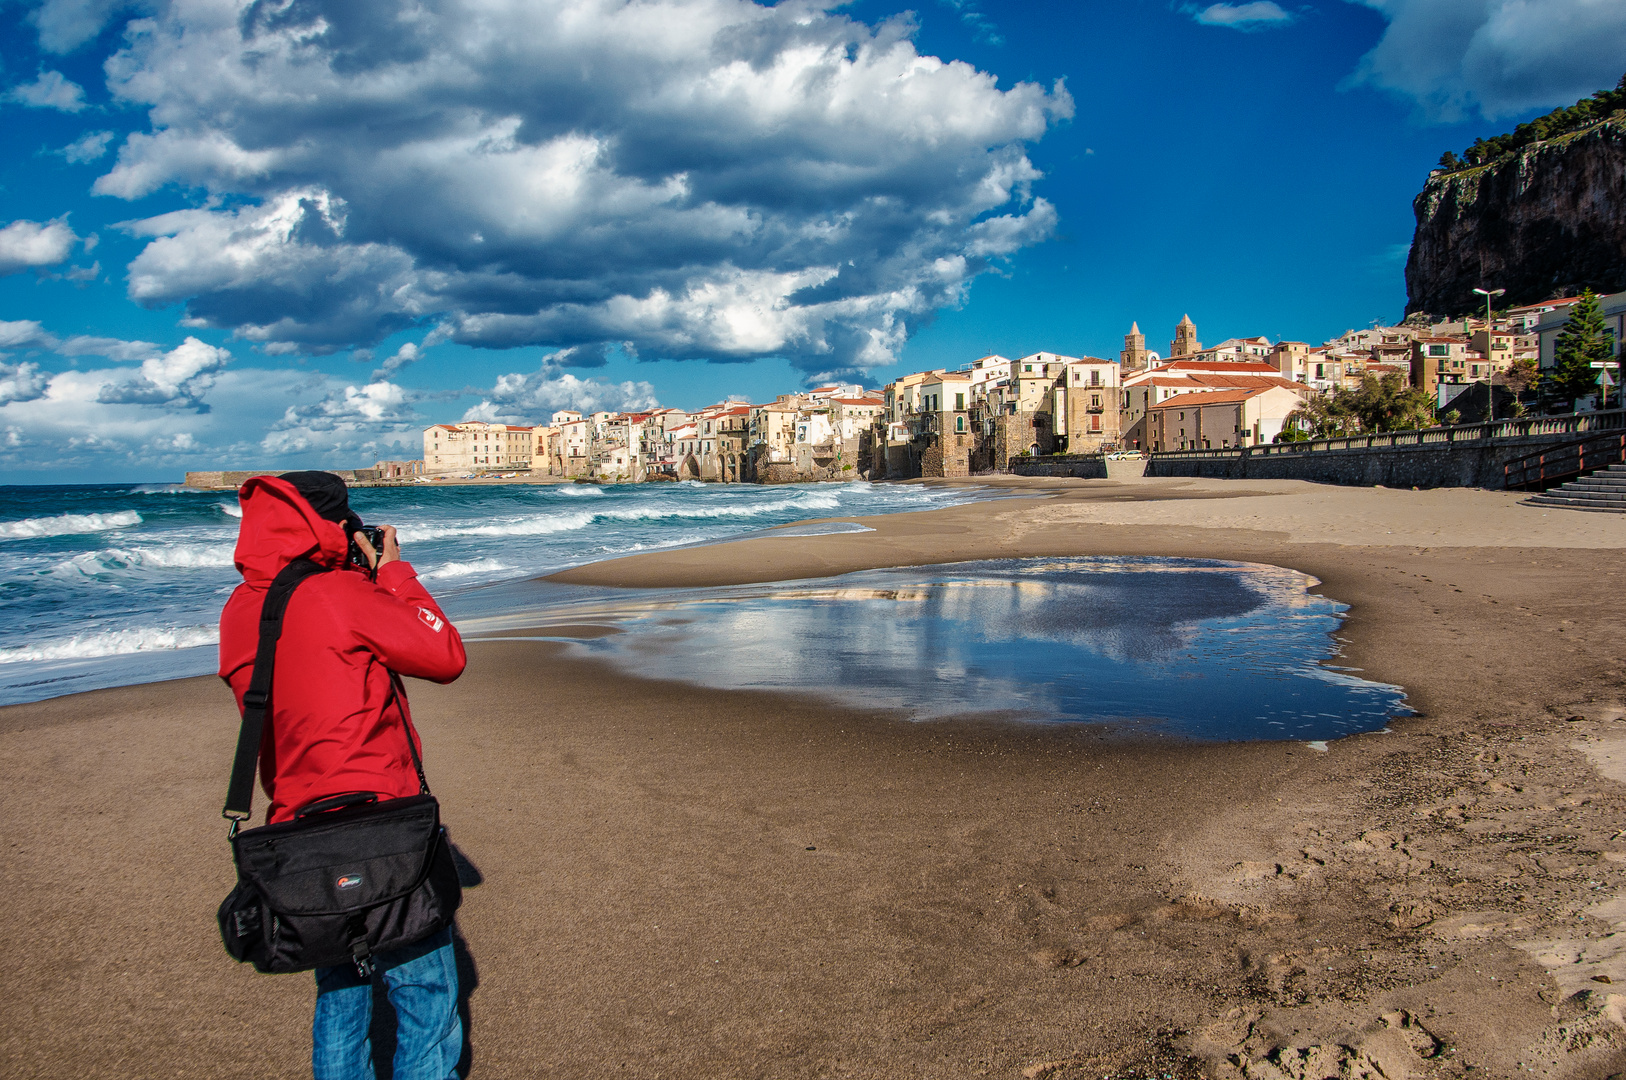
[114,584]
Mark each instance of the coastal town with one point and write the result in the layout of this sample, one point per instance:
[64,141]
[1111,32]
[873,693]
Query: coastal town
[1241,392]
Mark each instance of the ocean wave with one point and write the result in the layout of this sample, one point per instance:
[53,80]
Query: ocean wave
[230,509]
[807,501]
[657,545]
[167,557]
[465,569]
[579,489]
[164,489]
[67,525]
[113,643]
[537,525]
[545,524]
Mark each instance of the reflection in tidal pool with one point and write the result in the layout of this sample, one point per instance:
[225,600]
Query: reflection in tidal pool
[1192,647]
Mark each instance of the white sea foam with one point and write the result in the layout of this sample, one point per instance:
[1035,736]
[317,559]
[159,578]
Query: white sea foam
[67,524]
[113,643]
[164,489]
[579,489]
[164,557]
[545,524]
[466,569]
[535,525]
[230,509]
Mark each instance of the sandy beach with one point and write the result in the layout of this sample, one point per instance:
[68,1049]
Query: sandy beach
[679,882]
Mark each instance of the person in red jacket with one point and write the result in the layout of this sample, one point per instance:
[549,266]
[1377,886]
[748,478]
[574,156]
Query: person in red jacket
[339,723]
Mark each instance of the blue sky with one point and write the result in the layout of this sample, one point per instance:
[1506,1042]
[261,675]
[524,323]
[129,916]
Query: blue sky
[293,232]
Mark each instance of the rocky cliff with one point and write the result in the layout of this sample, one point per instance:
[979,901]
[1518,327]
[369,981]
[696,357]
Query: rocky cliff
[1542,222]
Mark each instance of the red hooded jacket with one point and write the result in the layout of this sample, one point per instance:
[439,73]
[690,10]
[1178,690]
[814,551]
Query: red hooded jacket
[332,727]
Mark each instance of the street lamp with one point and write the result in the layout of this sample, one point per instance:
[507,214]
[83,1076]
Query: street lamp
[1490,368]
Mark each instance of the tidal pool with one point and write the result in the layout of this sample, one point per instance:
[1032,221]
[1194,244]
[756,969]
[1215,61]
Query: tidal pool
[1195,648]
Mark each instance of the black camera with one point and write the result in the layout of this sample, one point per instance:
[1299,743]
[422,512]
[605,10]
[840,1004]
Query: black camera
[375,537]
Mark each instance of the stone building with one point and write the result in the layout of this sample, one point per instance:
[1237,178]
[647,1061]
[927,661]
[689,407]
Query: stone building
[476,446]
[1134,356]
[941,430]
[1146,389]
[1185,341]
[1219,419]
[1437,358]
[1088,421]
[1018,416]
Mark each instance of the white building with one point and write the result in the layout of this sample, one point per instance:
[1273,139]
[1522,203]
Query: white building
[476,446]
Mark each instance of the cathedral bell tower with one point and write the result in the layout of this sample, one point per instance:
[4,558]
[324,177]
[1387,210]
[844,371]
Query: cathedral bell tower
[1133,357]
[1185,339]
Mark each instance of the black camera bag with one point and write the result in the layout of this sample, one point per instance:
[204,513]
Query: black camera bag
[350,876]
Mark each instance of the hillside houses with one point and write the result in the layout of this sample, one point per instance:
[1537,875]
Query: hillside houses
[977,418]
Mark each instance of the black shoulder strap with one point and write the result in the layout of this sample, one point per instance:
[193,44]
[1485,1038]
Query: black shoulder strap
[257,699]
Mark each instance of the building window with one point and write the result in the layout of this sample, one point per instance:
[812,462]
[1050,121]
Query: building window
[1439,350]
[959,402]
[1027,367]
[959,423]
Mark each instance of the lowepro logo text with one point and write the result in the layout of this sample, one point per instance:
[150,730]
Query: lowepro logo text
[349,881]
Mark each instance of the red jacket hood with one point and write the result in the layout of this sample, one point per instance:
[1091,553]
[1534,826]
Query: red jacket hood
[278,527]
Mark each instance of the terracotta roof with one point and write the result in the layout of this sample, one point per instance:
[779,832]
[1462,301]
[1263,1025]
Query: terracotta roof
[855,401]
[1209,397]
[1239,366]
[1202,379]
[1545,303]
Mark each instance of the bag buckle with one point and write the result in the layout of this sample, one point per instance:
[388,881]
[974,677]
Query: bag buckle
[362,956]
[255,699]
[236,818]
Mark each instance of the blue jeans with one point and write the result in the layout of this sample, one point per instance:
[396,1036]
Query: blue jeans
[421,980]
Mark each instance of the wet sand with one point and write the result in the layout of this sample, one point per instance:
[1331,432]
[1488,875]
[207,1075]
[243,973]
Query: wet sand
[689,883]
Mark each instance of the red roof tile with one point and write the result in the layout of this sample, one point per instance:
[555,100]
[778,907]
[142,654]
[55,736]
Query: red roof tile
[1209,397]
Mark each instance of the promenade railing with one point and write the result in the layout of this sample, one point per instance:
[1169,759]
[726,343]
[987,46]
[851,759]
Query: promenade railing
[1551,465]
[1521,428]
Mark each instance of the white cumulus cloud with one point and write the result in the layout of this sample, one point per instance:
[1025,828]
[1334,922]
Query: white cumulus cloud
[180,376]
[27,244]
[1496,57]
[52,90]
[369,417]
[694,178]
[87,148]
[407,355]
[21,382]
[529,398]
[1251,16]
[64,25]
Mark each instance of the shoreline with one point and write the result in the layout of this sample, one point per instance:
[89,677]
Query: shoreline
[688,882]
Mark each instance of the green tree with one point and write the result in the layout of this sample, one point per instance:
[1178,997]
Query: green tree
[1589,110]
[1377,405]
[1584,341]
[1523,374]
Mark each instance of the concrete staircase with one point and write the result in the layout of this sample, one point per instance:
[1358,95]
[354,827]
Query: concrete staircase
[1603,491]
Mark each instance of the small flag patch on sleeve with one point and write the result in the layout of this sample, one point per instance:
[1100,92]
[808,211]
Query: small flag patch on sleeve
[430,619]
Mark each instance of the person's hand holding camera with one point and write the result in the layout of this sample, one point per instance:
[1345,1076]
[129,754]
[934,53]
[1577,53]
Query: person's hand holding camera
[375,558]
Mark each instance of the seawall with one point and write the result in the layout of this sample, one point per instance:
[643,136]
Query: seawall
[1469,455]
